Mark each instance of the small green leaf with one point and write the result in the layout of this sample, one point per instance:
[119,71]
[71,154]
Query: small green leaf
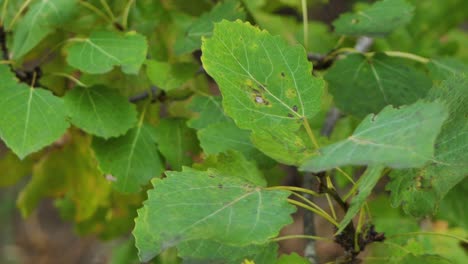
[379,81]
[376,21]
[71,170]
[203,26]
[194,205]
[234,164]
[133,159]
[103,50]
[209,109]
[365,184]
[266,84]
[13,169]
[100,111]
[210,251]
[177,142]
[170,76]
[30,119]
[397,138]
[41,19]
[420,190]
[453,209]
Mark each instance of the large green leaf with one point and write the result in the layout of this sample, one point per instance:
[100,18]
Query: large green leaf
[177,142]
[379,81]
[265,83]
[376,21]
[420,190]
[293,258]
[169,76]
[398,138]
[71,171]
[453,209]
[203,26]
[41,19]
[105,49]
[365,184]
[30,119]
[133,159]
[100,111]
[195,205]
[445,68]
[234,164]
[210,251]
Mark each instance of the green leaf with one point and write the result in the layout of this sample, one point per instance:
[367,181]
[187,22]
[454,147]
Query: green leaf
[444,68]
[100,111]
[397,138]
[70,170]
[210,251]
[376,21]
[209,109]
[293,258]
[103,50]
[170,76]
[226,136]
[283,146]
[203,26]
[266,84]
[365,184]
[41,19]
[194,205]
[133,159]
[453,209]
[379,81]
[419,191]
[177,142]
[30,119]
[234,164]
[13,169]
[426,259]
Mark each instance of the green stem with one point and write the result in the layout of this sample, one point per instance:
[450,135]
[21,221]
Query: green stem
[305,206]
[95,10]
[125,14]
[311,203]
[305,22]
[301,236]
[430,234]
[406,55]
[68,76]
[108,9]
[309,132]
[5,4]
[294,188]
[13,21]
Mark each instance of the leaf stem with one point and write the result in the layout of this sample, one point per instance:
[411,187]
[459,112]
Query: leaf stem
[125,14]
[406,55]
[68,76]
[311,203]
[305,206]
[301,236]
[346,175]
[108,9]
[6,62]
[305,22]
[429,234]
[4,7]
[95,10]
[309,132]
[13,21]
[294,188]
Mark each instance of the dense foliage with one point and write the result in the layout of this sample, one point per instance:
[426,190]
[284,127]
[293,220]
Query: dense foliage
[173,120]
